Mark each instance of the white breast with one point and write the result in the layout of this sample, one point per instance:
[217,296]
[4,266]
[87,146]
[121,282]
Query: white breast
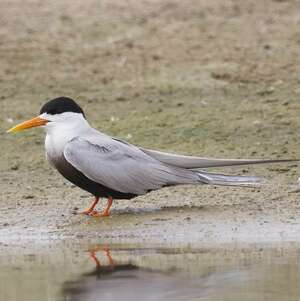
[55,144]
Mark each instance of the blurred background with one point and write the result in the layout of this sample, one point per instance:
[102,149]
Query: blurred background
[208,77]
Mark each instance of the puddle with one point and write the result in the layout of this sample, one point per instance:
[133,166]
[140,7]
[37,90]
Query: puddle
[134,272]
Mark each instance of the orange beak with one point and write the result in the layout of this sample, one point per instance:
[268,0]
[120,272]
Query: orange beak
[37,121]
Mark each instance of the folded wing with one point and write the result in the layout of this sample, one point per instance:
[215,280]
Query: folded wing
[123,167]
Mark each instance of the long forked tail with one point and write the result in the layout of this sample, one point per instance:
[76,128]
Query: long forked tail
[195,163]
[229,180]
[191,162]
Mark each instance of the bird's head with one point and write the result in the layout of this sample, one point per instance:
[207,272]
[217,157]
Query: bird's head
[58,111]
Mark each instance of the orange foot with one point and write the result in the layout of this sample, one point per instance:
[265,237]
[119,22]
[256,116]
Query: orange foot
[96,213]
[105,212]
[89,210]
[86,211]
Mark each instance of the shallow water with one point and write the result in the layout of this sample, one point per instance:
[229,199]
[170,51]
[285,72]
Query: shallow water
[134,272]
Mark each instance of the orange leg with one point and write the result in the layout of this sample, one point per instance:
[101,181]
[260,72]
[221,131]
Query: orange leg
[106,250]
[94,257]
[91,209]
[110,260]
[105,212]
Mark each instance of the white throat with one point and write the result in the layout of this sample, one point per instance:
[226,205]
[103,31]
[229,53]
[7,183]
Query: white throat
[61,129]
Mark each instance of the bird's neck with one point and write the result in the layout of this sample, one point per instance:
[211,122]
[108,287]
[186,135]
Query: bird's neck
[58,135]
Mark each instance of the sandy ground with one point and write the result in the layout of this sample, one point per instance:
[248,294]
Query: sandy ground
[212,78]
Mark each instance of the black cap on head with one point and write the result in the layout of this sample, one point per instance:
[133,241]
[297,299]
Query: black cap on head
[61,105]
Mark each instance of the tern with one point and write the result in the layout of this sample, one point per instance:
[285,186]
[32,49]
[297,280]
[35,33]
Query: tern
[111,168]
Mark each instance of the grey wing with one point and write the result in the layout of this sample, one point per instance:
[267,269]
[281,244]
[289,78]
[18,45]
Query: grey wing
[122,167]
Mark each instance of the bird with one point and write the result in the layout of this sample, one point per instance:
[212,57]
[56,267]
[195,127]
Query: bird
[112,168]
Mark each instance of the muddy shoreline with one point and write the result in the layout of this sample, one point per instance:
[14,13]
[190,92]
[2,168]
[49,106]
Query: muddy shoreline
[210,81]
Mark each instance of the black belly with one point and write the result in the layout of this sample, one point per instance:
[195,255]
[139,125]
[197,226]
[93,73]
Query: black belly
[79,179]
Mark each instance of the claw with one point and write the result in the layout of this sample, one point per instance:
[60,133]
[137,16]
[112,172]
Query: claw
[89,210]
[96,213]
[86,211]
[105,212]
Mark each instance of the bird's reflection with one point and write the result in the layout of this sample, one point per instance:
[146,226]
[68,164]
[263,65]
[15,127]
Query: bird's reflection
[88,285]
[110,268]
[115,281]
